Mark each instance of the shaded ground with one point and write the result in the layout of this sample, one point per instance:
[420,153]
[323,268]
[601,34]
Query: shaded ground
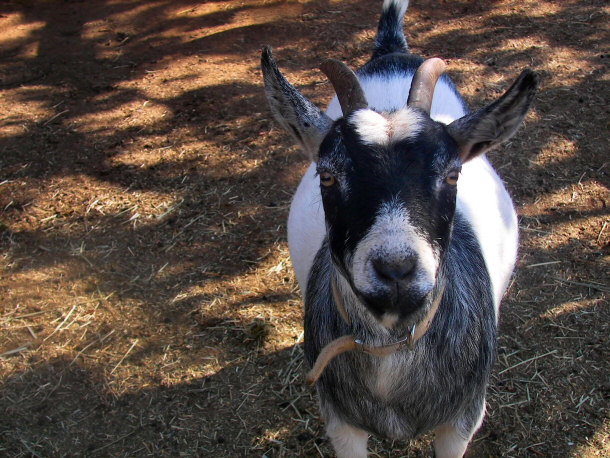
[148,305]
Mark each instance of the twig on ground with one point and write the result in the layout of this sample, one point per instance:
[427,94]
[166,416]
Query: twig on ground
[125,355]
[527,361]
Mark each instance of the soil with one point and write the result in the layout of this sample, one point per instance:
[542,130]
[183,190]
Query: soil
[148,304]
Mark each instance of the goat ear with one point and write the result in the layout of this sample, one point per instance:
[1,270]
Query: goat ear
[296,114]
[486,128]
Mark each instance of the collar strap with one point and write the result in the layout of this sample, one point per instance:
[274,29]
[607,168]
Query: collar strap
[338,300]
[349,343]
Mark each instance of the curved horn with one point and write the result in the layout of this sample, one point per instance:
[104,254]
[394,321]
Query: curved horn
[346,84]
[424,80]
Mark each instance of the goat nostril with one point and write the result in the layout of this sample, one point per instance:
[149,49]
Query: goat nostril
[392,270]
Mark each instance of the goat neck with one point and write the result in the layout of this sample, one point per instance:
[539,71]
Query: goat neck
[350,343]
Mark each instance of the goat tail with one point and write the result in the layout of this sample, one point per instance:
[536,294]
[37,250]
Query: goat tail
[390,37]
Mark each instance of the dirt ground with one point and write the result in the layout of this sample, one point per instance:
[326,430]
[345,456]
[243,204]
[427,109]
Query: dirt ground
[148,307]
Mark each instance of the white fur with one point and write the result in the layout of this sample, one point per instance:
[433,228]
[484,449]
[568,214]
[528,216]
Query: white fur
[389,320]
[306,226]
[388,376]
[393,234]
[487,205]
[373,128]
[448,443]
[405,123]
[401,6]
[348,442]
[385,128]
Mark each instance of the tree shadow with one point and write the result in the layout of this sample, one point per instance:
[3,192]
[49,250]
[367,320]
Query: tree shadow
[79,409]
[79,412]
[217,175]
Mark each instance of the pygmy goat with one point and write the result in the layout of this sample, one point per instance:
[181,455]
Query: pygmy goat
[403,240]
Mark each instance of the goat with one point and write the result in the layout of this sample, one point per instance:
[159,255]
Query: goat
[390,251]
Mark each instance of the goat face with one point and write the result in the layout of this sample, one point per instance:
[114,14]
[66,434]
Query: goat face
[388,180]
[388,184]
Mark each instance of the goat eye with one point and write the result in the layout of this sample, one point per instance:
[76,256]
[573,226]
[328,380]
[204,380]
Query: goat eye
[452,177]
[327,179]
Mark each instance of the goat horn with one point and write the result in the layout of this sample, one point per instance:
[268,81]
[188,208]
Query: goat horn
[346,84]
[424,80]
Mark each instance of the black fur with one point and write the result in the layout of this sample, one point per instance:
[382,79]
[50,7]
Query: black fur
[391,54]
[411,173]
[389,38]
[443,379]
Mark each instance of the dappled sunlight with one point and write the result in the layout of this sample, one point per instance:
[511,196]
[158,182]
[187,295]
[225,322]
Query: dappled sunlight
[534,9]
[565,205]
[256,16]
[136,114]
[18,33]
[148,303]
[575,307]
[48,306]
[23,106]
[84,202]
[598,443]
[557,149]
[143,155]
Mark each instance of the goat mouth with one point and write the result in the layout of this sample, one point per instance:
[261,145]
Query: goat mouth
[399,307]
[394,307]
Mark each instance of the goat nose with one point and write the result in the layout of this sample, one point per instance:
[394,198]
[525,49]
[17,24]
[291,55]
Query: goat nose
[394,270]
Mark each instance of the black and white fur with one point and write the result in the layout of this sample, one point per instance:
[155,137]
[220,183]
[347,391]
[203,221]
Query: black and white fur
[389,230]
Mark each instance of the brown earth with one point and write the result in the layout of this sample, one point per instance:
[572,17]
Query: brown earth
[148,305]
